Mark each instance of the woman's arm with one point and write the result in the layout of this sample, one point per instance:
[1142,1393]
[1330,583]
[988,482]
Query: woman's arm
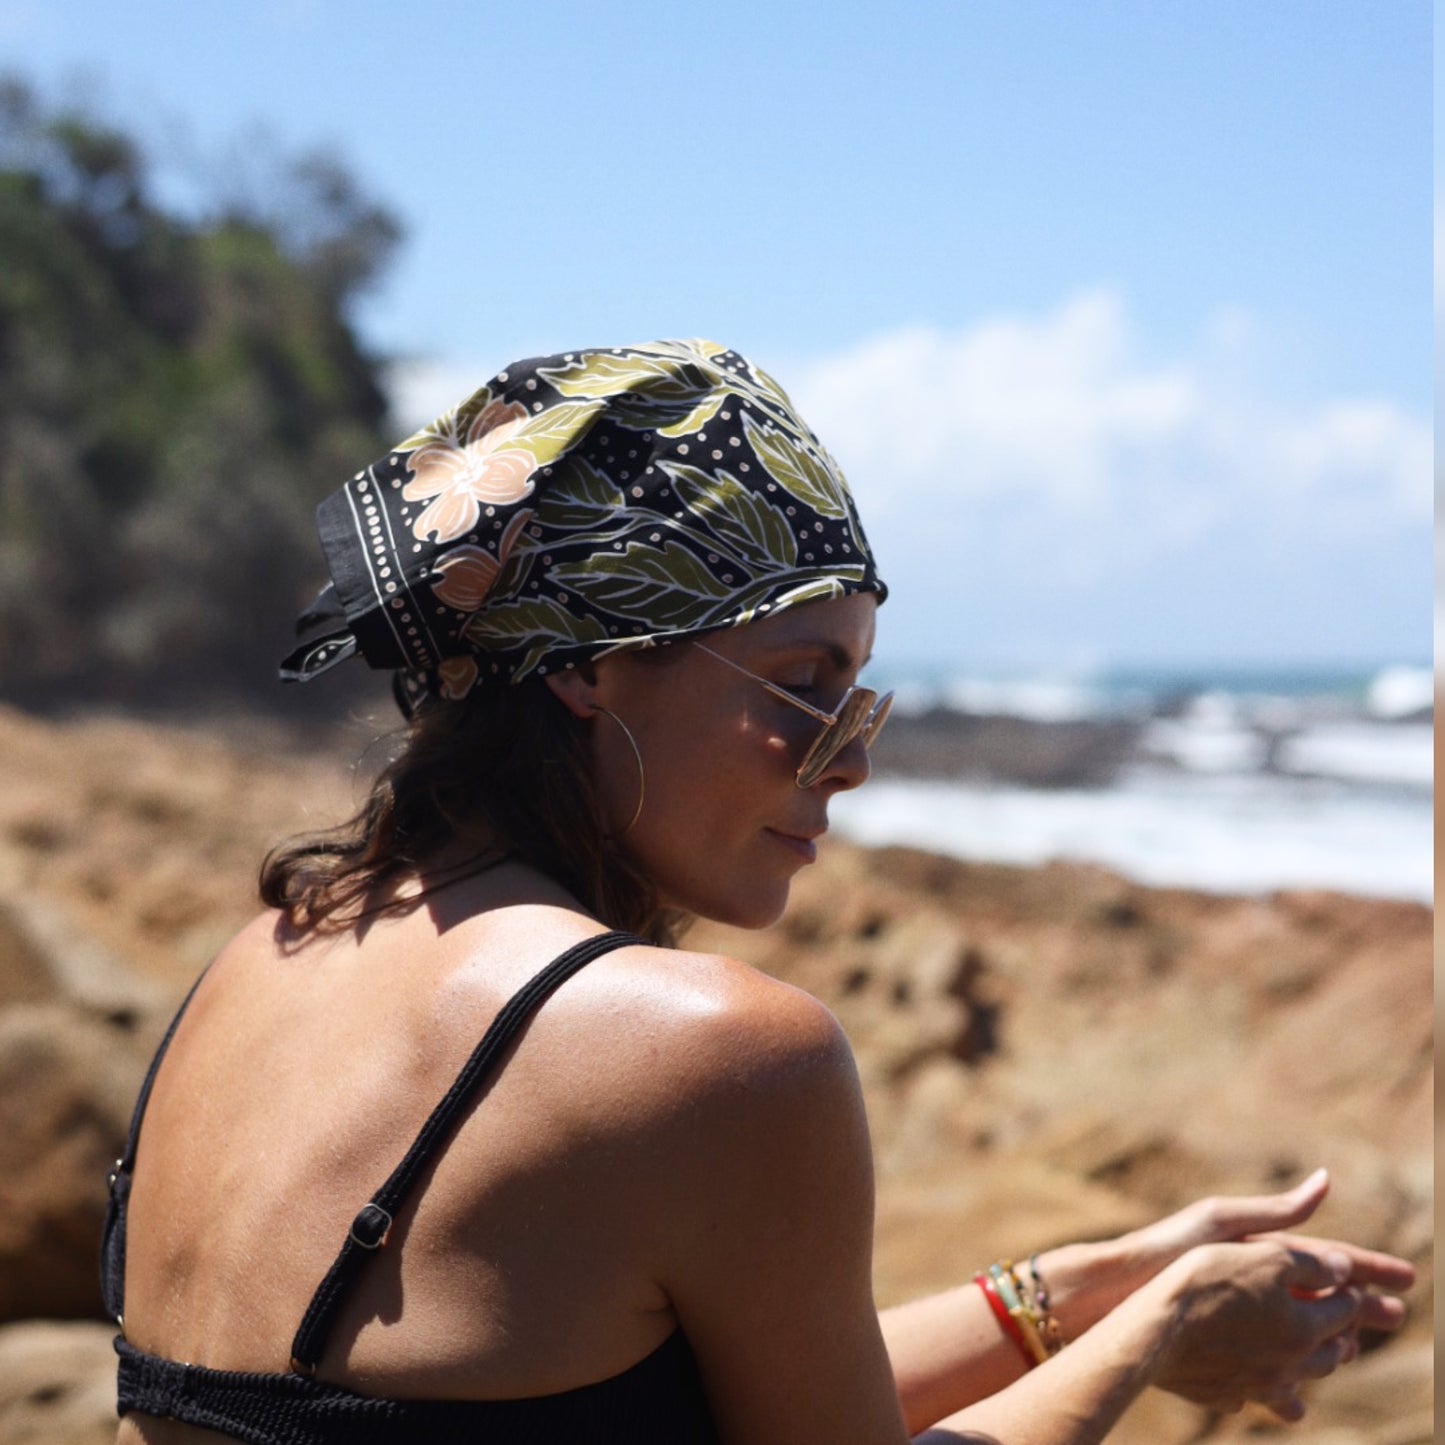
[1223,1324]
[948,1351]
[765,1185]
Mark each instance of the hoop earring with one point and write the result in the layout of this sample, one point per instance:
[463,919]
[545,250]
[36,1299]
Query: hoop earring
[641,776]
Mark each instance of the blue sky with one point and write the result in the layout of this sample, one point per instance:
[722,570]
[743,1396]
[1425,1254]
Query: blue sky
[1117,314]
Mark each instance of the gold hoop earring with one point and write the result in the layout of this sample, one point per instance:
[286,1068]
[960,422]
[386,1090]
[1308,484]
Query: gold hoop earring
[641,776]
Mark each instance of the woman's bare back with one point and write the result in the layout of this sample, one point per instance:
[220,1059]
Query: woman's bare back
[528,1261]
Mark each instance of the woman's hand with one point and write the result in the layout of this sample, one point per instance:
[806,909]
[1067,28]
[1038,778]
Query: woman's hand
[948,1352]
[1222,1325]
[1254,1321]
[1088,1280]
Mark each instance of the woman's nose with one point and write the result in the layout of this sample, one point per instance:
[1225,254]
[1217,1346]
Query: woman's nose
[851,768]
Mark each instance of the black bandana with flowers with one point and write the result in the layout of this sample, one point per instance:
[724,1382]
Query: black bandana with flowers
[575,505]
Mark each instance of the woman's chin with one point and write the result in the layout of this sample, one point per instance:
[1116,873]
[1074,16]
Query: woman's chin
[757,904]
[759,908]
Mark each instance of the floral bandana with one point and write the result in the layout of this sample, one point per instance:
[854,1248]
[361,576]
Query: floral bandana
[579,504]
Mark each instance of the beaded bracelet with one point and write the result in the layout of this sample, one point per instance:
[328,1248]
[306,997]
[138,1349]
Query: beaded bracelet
[1053,1336]
[1022,1313]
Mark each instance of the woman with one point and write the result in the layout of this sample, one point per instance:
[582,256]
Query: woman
[626,600]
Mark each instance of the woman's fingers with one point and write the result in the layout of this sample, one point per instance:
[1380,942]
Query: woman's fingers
[1328,1356]
[1285,1401]
[1232,1218]
[1382,1312]
[1270,1218]
[1308,1270]
[1280,1314]
[1367,1266]
[1227,1217]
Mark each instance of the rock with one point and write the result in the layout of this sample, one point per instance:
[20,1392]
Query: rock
[76,1030]
[57,1384]
[1038,753]
[1047,1053]
[25,975]
[42,956]
[67,1083]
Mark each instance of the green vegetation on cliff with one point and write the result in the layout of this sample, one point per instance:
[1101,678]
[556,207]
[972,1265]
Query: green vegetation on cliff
[176,395]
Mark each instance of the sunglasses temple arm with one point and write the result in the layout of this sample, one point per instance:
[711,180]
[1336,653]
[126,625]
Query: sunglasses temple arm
[779,692]
[829,718]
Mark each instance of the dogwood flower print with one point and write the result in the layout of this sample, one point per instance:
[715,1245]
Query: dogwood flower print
[459,476]
[466,577]
[468,574]
[458,675]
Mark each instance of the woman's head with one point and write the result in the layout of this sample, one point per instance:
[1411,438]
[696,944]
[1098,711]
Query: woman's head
[557,541]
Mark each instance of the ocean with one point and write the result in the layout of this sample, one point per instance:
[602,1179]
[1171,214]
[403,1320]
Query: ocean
[1233,780]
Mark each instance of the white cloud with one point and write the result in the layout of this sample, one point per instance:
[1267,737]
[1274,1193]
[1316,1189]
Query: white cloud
[1006,406]
[1360,448]
[1068,421]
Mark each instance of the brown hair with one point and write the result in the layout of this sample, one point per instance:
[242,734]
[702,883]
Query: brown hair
[506,770]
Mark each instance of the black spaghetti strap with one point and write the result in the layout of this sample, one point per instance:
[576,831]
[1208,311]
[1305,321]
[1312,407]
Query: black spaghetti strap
[112,1240]
[369,1228]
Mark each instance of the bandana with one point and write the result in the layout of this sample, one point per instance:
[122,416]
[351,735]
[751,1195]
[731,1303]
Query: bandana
[575,505]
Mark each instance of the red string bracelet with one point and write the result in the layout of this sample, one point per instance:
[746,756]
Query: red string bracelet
[1009,1324]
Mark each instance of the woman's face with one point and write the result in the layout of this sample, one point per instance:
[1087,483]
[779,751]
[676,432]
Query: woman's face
[724,825]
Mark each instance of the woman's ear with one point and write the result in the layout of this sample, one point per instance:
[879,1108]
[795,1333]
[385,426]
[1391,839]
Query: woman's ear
[576,688]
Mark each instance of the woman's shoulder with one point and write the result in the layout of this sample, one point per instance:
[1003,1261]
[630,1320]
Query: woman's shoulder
[733,1024]
[695,1046]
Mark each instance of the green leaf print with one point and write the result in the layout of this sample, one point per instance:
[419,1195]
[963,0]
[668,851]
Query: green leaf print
[769,388]
[579,496]
[641,413]
[550,433]
[796,469]
[513,576]
[709,349]
[750,525]
[664,586]
[508,624]
[695,419]
[814,589]
[703,353]
[604,374]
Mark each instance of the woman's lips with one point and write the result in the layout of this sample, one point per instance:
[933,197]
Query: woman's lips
[805,847]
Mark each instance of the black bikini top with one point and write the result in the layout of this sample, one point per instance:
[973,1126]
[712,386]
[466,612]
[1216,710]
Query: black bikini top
[658,1399]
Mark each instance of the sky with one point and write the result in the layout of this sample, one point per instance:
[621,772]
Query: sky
[1117,313]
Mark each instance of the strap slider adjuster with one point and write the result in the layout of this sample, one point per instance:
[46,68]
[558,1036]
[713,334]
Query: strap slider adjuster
[371,1226]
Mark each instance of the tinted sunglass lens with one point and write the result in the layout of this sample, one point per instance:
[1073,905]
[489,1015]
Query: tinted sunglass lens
[853,719]
[877,718]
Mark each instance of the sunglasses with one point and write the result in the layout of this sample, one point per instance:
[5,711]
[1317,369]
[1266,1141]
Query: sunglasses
[860,713]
